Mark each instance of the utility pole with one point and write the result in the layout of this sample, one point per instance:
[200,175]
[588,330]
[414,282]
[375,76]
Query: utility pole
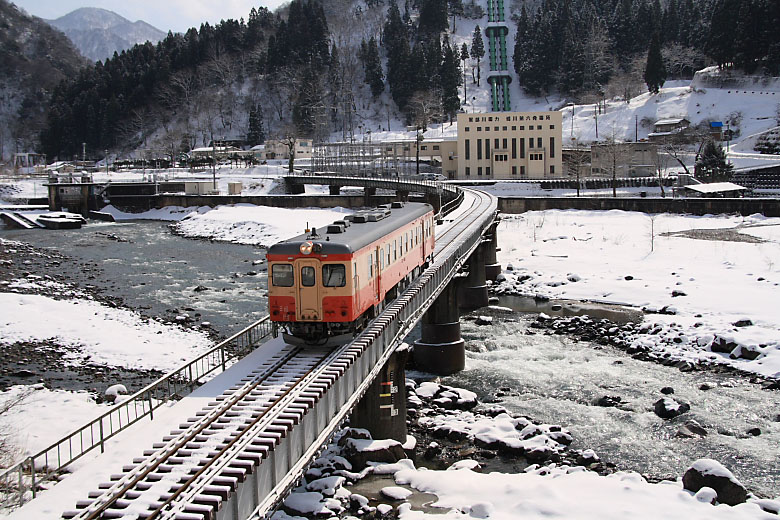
[596,115]
[636,128]
[418,140]
[106,154]
[83,152]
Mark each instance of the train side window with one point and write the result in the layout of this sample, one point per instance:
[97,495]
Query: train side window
[388,255]
[334,275]
[282,275]
[308,278]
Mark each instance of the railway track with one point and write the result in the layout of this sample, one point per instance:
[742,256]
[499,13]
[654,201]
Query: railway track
[197,466]
[193,472]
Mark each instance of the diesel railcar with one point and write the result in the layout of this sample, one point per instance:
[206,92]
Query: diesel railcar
[327,283]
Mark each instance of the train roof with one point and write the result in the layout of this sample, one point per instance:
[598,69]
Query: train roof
[356,231]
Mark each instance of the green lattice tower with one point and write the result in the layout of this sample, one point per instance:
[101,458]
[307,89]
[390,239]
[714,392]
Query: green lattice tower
[499,77]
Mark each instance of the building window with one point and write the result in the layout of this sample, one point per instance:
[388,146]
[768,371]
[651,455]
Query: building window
[539,142]
[514,170]
[522,147]
[538,127]
[552,127]
[424,147]
[468,129]
[487,171]
[487,148]
[530,142]
[479,170]
[495,143]
[522,128]
[514,128]
[503,127]
[436,147]
[552,147]
[552,169]
[468,171]
[514,148]
[468,149]
[522,171]
[495,128]
[504,143]
[479,129]
[479,149]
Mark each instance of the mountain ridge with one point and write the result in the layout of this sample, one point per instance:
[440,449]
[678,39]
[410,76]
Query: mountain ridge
[99,33]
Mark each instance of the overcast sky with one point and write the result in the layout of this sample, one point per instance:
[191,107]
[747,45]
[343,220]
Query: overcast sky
[176,15]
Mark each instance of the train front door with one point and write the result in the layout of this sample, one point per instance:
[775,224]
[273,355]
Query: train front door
[308,284]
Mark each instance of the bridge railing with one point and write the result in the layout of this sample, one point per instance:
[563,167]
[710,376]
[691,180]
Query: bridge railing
[19,483]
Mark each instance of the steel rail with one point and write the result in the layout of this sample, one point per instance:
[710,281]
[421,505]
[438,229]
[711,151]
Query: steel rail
[130,480]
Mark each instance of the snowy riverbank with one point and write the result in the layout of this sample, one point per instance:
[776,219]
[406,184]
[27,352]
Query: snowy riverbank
[701,280]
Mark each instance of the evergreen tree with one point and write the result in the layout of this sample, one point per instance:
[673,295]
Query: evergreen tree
[433,16]
[450,81]
[655,70]
[256,133]
[477,49]
[464,55]
[712,164]
[372,65]
[720,40]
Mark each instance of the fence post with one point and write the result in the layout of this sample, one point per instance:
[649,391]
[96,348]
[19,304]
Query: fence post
[102,444]
[20,488]
[32,475]
[151,407]
[222,356]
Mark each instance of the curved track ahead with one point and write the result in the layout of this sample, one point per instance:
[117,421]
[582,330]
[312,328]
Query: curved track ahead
[195,471]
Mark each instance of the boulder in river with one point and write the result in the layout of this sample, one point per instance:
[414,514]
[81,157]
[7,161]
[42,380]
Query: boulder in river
[711,473]
[668,408]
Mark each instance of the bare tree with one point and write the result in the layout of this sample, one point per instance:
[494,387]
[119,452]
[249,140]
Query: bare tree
[577,159]
[617,156]
[425,107]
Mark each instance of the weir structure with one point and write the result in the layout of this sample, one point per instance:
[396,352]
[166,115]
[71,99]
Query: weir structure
[499,77]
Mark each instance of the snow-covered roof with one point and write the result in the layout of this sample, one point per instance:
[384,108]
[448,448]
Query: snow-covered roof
[675,121]
[715,187]
[258,147]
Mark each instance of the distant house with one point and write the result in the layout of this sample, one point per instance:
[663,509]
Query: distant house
[278,149]
[668,127]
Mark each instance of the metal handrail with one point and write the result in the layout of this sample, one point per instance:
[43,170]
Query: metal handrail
[21,479]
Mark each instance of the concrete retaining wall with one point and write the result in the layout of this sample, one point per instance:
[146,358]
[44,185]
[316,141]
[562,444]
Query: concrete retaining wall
[693,206]
[280,201]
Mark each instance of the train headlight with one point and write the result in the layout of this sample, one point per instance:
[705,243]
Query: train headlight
[307,247]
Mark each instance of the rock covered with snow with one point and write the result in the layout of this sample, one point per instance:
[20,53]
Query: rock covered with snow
[712,474]
[668,408]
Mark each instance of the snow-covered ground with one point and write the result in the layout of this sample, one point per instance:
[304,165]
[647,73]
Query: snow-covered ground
[706,280]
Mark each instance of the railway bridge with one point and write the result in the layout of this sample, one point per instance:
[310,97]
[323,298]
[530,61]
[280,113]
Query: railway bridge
[242,453]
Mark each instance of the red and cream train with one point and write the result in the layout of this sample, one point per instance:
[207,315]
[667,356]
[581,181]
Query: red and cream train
[330,282]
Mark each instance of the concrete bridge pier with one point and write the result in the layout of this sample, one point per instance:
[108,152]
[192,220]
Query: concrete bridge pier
[402,195]
[473,288]
[441,350]
[382,410]
[334,189]
[490,245]
[368,194]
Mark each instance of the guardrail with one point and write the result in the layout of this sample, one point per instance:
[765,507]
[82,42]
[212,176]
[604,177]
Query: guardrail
[377,341]
[19,483]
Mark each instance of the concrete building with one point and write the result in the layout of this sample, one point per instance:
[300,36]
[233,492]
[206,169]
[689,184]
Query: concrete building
[639,159]
[509,145]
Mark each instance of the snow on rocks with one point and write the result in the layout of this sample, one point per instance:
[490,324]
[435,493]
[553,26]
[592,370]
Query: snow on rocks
[708,473]
[395,492]
[668,408]
[113,392]
[491,429]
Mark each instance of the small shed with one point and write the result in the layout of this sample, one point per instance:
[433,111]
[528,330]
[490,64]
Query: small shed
[671,125]
[716,189]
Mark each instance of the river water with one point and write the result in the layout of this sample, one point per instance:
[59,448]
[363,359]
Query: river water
[548,377]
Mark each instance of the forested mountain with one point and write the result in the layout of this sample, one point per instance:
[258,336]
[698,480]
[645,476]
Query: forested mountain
[314,69]
[99,33]
[580,46]
[33,59]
